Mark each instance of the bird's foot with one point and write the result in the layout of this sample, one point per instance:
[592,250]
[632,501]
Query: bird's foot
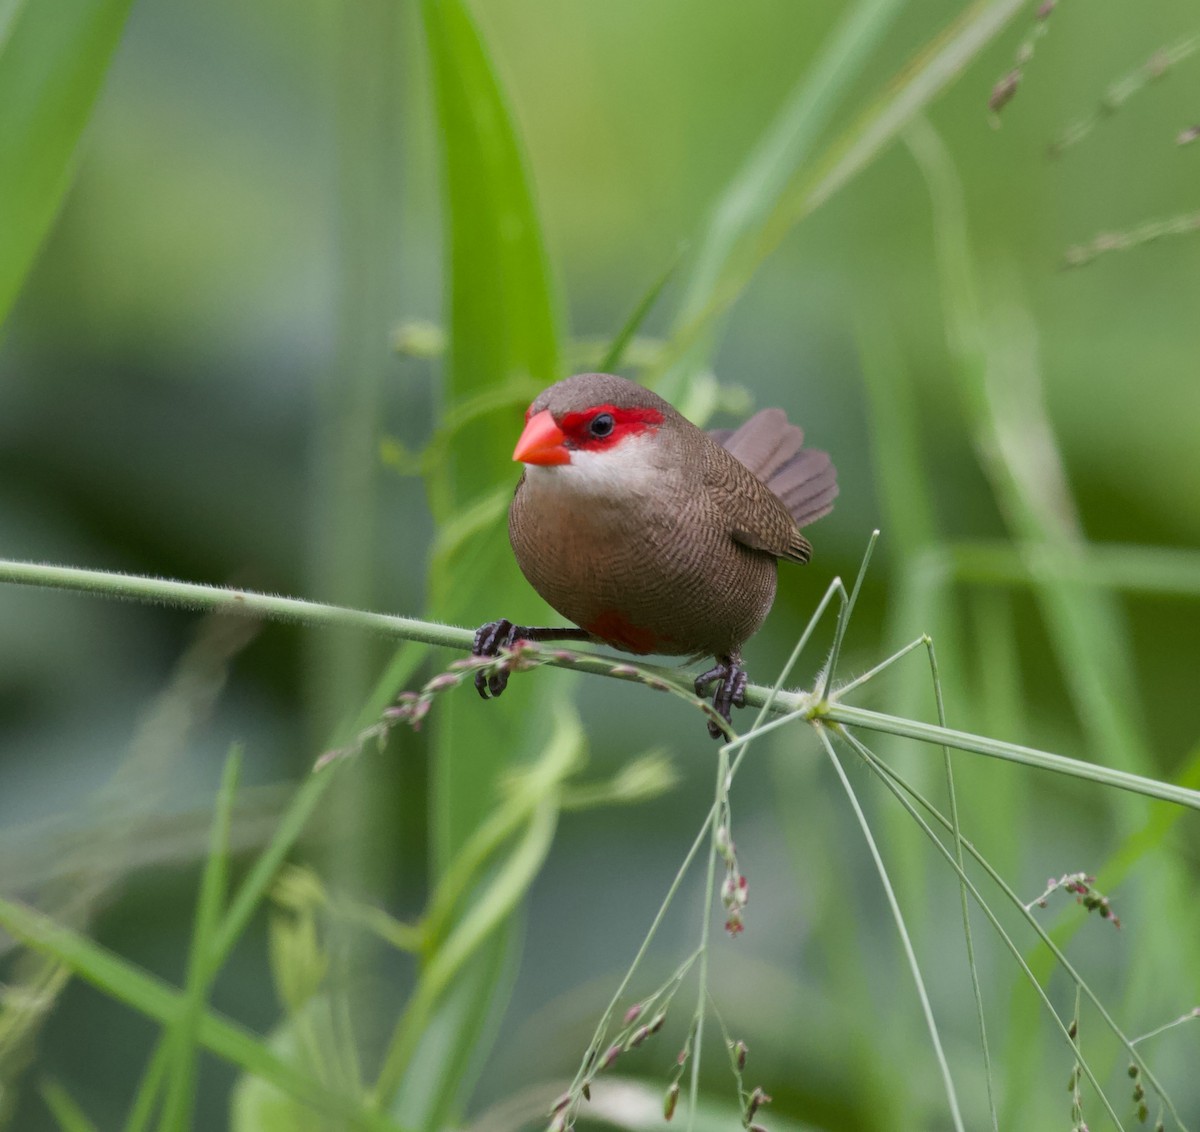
[731,679]
[491,639]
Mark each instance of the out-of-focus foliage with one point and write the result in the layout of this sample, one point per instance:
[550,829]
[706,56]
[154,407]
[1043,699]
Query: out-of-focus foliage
[167,372]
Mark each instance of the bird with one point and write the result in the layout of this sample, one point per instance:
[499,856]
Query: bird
[652,535]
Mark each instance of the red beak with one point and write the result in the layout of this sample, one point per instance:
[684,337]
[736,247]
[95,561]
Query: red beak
[542,442]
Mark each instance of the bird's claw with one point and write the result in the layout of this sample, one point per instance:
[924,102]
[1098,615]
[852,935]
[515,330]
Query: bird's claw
[731,679]
[489,640]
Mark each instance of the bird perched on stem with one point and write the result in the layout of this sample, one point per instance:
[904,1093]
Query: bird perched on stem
[652,535]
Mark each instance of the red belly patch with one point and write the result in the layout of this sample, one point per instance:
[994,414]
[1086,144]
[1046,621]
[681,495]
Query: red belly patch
[614,628]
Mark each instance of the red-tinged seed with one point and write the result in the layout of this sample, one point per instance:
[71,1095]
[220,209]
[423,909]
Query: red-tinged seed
[639,1036]
[740,1051]
[1003,91]
[613,1053]
[632,1014]
[670,1101]
[442,681]
[757,1098]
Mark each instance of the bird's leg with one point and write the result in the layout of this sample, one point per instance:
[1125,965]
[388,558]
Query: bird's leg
[502,634]
[730,678]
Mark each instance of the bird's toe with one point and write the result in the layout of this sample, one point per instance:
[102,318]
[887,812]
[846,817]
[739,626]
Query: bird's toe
[492,637]
[740,679]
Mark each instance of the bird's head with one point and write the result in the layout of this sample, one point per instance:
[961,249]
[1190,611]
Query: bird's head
[600,427]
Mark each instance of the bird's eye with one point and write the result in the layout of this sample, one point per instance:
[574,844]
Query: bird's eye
[601,425]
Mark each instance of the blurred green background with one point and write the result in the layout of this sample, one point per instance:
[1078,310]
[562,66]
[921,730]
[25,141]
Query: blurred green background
[199,378]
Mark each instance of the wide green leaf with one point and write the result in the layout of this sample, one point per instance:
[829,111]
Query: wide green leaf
[154,998]
[53,58]
[783,200]
[503,330]
[503,336]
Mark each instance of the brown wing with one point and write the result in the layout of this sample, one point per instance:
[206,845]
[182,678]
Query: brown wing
[757,517]
[772,448]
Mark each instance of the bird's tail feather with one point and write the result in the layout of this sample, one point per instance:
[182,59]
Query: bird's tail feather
[772,448]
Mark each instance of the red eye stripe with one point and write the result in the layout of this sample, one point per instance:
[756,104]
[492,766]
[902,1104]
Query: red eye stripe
[626,422]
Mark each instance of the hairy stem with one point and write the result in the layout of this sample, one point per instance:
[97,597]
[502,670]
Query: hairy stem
[801,705]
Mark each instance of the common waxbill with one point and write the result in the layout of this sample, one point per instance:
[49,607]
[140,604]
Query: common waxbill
[652,535]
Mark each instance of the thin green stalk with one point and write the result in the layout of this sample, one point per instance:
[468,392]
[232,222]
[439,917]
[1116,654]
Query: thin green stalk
[598,1036]
[897,439]
[152,997]
[835,588]
[898,786]
[844,614]
[343,1033]
[141,1111]
[192,596]
[888,773]
[914,87]
[258,880]
[65,1109]
[1004,408]
[1119,92]
[1190,1016]
[962,891]
[786,145]
[615,353]
[543,780]
[1011,752]
[713,825]
[181,1084]
[1170,570]
[505,893]
[898,917]
[882,666]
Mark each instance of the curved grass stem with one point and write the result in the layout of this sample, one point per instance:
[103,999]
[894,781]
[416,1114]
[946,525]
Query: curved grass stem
[190,595]
[898,918]
[899,787]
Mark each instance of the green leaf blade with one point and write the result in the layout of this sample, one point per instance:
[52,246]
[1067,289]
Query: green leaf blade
[53,59]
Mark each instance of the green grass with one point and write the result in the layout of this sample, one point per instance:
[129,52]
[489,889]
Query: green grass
[503,781]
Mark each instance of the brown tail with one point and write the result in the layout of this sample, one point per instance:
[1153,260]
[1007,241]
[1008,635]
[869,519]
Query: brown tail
[804,478]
